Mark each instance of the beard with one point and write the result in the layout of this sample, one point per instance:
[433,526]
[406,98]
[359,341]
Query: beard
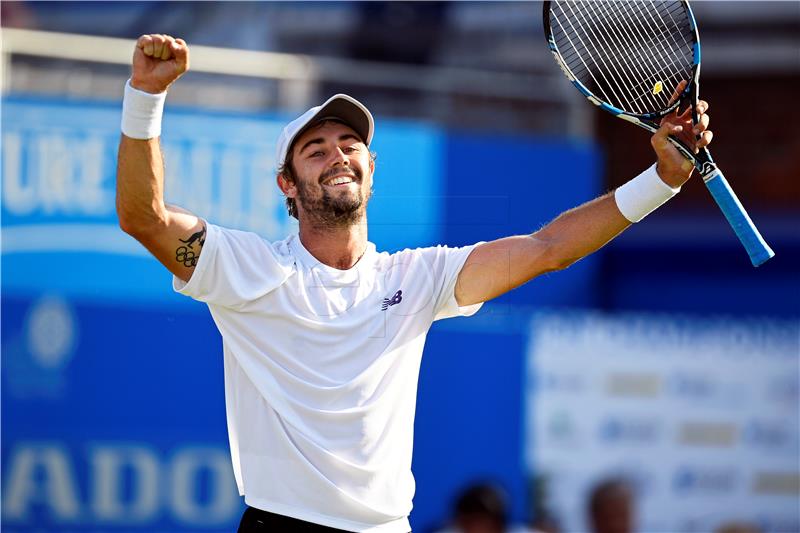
[333,209]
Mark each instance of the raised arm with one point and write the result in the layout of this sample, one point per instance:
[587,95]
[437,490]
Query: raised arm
[173,235]
[496,267]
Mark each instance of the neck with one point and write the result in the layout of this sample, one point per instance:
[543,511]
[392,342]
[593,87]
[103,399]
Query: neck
[337,247]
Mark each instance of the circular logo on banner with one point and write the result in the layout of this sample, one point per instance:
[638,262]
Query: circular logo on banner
[50,332]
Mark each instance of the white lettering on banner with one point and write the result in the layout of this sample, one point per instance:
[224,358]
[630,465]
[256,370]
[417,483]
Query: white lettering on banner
[223,501]
[53,173]
[108,466]
[232,186]
[19,195]
[231,173]
[128,483]
[65,172]
[197,179]
[61,174]
[40,474]
[94,199]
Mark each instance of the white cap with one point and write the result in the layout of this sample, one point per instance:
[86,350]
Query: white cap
[339,106]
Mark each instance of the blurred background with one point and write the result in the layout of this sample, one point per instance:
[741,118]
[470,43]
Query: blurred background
[652,387]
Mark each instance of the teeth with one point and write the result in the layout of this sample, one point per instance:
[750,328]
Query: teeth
[340,180]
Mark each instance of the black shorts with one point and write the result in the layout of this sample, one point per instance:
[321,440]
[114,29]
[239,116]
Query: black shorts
[258,521]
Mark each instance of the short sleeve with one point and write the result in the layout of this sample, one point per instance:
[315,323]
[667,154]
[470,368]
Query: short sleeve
[234,268]
[446,263]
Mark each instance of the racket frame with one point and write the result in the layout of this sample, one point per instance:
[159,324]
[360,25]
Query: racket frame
[758,250]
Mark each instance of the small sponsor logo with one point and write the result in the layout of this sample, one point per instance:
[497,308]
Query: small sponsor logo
[633,385]
[771,435]
[720,434]
[561,429]
[784,391]
[705,388]
[51,333]
[394,300]
[704,479]
[39,355]
[691,386]
[777,483]
[629,430]
[560,382]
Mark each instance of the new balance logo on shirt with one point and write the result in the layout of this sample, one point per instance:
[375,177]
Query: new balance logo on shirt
[396,299]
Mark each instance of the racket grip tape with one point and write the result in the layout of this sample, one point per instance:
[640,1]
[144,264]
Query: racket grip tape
[757,248]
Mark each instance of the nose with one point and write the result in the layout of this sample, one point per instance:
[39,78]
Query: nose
[340,158]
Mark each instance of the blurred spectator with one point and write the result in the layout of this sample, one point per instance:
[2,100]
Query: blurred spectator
[738,527]
[611,507]
[482,508]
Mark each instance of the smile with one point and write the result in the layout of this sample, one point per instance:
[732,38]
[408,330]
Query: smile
[339,181]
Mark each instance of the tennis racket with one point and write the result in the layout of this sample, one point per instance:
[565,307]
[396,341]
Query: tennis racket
[628,57]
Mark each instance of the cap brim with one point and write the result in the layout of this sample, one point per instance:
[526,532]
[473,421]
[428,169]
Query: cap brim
[349,111]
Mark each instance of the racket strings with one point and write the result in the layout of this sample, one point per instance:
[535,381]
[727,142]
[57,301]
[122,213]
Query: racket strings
[663,66]
[631,54]
[621,58]
[639,88]
[619,92]
[613,71]
[653,42]
[665,39]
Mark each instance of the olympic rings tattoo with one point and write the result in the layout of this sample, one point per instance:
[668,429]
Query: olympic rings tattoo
[186,256]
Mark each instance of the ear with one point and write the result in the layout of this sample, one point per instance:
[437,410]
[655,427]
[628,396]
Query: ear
[286,186]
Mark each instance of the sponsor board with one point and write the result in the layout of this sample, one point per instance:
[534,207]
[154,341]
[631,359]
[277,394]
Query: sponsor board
[704,409]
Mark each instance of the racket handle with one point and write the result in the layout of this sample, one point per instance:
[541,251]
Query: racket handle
[757,248]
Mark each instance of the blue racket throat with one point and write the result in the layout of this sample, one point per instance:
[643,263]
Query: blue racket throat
[629,58]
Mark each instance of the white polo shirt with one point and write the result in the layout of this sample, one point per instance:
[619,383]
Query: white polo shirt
[321,369]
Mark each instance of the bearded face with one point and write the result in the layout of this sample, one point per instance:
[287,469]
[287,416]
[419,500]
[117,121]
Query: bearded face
[332,175]
[332,200]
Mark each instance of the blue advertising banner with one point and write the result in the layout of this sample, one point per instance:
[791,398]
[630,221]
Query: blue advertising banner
[113,413]
[113,418]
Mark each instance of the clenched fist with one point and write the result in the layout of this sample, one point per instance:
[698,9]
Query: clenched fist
[158,60]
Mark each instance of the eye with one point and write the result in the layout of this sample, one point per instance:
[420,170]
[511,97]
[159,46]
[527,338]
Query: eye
[318,153]
[350,149]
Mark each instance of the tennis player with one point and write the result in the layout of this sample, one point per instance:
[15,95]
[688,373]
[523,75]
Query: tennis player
[322,333]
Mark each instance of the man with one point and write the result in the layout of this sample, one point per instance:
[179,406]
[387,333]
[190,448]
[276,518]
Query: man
[322,334]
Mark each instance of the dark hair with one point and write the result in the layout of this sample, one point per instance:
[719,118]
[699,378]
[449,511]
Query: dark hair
[616,489]
[287,169]
[482,499]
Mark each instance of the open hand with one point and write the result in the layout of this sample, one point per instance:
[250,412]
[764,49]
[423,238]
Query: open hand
[673,167]
[158,60]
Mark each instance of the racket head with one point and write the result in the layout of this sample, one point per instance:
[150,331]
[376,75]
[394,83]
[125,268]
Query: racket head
[627,57]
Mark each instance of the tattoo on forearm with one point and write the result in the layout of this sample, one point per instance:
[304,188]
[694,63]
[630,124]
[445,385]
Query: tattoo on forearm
[186,254]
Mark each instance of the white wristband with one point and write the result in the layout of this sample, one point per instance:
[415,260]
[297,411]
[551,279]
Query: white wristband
[643,195]
[141,113]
